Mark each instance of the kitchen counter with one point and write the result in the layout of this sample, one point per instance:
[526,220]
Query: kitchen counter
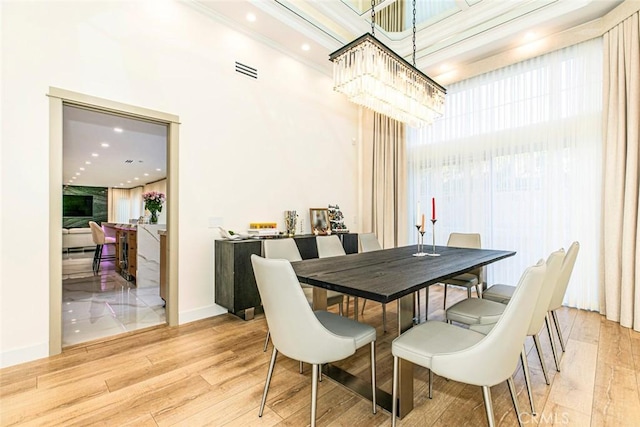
[148,257]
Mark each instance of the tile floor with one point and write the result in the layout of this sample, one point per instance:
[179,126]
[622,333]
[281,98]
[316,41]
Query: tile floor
[104,305]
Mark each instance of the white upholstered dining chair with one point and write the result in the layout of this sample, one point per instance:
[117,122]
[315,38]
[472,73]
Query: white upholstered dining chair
[287,249]
[300,333]
[454,352]
[481,315]
[502,293]
[470,279]
[330,246]
[369,243]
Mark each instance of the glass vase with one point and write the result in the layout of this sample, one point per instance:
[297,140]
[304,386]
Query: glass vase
[154,217]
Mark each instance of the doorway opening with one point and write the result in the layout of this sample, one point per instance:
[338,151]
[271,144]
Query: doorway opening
[125,296]
[111,272]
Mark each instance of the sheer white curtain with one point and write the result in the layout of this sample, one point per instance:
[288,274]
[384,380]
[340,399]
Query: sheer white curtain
[517,158]
[119,205]
[124,204]
[137,204]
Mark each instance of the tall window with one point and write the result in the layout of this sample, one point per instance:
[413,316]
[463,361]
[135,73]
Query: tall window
[517,158]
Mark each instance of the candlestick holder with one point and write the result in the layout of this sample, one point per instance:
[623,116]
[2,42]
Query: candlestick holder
[420,241]
[433,228]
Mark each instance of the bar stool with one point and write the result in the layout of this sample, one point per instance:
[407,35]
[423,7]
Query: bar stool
[97,234]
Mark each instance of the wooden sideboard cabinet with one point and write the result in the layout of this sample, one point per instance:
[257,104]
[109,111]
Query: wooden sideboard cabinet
[235,284]
[236,288]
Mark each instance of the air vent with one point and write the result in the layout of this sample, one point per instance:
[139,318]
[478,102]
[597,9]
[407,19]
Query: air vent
[246,70]
[128,161]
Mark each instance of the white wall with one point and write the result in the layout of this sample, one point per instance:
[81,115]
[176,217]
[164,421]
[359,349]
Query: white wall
[249,149]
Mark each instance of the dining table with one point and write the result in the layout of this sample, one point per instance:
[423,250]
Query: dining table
[385,276]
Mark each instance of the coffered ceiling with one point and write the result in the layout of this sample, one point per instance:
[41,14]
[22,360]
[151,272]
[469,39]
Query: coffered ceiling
[450,33]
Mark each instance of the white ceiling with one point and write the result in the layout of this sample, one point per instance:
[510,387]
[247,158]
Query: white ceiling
[142,143]
[453,34]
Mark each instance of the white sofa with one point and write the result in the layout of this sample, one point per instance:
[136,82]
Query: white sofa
[77,238]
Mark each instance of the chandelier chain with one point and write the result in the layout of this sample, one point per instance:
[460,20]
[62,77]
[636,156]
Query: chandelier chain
[373,18]
[414,33]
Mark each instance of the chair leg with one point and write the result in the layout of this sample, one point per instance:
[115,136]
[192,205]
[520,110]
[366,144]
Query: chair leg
[416,298]
[554,350]
[527,378]
[347,307]
[268,381]
[488,406]
[394,392]
[373,375]
[426,303]
[355,308]
[341,309]
[468,292]
[557,323]
[430,384]
[99,258]
[384,317]
[95,258]
[314,392]
[301,367]
[514,399]
[266,341]
[478,291]
[362,309]
[444,305]
[536,341]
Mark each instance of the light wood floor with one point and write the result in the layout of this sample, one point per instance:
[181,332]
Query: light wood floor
[212,372]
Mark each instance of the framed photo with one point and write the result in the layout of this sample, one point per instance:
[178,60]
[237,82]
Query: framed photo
[320,224]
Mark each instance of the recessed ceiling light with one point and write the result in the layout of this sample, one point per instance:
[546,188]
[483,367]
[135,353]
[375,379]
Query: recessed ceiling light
[158,169]
[251,17]
[87,162]
[121,183]
[81,169]
[146,174]
[94,154]
[77,173]
[136,178]
[104,145]
[119,130]
[306,47]
[129,181]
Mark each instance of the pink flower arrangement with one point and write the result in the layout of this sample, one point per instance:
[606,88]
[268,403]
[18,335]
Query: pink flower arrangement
[153,201]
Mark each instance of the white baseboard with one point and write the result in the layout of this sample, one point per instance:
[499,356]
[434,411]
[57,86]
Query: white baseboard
[23,355]
[200,313]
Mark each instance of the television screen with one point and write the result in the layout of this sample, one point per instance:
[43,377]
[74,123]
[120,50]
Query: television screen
[77,205]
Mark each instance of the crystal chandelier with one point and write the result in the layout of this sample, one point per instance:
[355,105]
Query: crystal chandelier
[374,76]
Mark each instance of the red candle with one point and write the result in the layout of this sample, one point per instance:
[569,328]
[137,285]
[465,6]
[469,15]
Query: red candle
[433,208]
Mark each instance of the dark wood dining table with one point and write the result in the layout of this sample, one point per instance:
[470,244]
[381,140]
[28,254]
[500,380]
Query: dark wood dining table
[385,276]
